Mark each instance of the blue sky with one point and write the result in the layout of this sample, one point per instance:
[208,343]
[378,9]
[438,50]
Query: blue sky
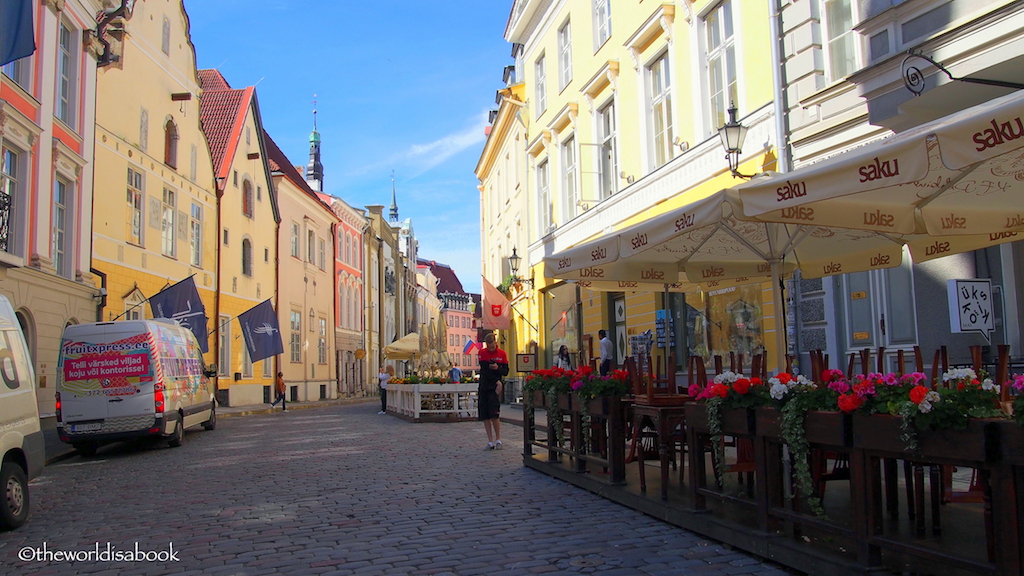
[400,85]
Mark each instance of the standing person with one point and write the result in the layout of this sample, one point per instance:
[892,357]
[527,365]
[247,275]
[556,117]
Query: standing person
[493,366]
[607,352]
[383,377]
[563,360]
[455,375]
[279,390]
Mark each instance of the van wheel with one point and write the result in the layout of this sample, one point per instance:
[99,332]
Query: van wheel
[179,433]
[212,422]
[86,449]
[14,508]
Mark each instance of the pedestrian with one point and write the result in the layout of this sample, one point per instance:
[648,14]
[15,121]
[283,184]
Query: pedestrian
[383,377]
[607,352]
[279,390]
[493,366]
[563,360]
[455,375]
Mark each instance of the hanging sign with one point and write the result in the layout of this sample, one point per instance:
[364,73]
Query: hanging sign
[970,306]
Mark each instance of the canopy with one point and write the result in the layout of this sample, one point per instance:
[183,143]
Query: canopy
[405,348]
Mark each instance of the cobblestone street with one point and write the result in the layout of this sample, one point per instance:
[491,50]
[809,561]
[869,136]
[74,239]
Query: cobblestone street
[342,490]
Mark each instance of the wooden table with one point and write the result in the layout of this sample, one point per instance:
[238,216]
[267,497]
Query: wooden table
[664,419]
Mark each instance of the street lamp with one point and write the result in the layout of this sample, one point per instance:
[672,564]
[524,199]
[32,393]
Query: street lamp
[513,264]
[732,135]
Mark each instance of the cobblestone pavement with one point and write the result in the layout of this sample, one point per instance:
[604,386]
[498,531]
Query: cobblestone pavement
[340,490]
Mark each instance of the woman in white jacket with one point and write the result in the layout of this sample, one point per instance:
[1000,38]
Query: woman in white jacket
[562,360]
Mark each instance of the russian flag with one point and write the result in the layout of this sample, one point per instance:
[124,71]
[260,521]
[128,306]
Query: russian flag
[468,347]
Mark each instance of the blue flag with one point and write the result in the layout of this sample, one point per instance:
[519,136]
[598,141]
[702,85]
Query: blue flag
[181,302]
[17,36]
[261,331]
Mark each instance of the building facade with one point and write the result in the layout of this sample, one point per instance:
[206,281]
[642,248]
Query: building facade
[351,320]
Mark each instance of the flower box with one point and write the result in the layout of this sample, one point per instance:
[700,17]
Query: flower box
[603,406]
[1005,442]
[566,402]
[735,421]
[540,399]
[820,427]
[882,432]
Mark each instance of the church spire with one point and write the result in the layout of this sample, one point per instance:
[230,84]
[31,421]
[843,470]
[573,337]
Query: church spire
[394,203]
[315,170]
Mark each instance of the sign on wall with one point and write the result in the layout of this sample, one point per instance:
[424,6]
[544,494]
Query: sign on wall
[971,307]
[526,362]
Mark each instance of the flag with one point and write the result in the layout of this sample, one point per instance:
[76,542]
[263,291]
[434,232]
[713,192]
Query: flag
[261,331]
[497,311]
[17,35]
[181,302]
[469,346]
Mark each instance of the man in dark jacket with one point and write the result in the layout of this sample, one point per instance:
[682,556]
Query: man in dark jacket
[493,366]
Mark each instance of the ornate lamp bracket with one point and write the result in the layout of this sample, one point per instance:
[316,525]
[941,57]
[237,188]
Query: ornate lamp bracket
[914,79]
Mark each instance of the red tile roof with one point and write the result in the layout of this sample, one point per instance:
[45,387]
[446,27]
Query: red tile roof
[213,80]
[223,112]
[447,281]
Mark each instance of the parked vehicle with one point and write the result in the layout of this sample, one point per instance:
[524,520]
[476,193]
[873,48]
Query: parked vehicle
[131,379]
[21,441]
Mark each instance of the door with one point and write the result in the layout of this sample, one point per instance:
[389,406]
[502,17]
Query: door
[879,311]
[618,334]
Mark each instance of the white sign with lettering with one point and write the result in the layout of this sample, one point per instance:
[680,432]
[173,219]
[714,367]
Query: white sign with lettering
[971,306]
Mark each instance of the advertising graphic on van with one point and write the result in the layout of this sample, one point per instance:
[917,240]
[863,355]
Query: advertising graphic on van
[113,369]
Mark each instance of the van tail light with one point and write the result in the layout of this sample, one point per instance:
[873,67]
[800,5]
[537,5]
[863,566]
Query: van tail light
[59,419]
[158,398]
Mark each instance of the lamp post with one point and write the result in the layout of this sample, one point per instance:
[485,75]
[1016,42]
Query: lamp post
[732,135]
[513,264]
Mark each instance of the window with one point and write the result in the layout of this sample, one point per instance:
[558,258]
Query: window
[296,325]
[224,359]
[295,240]
[569,176]
[310,246]
[659,112]
[259,193]
[266,254]
[66,82]
[246,363]
[61,199]
[564,55]
[234,178]
[602,22]
[540,92]
[195,235]
[721,64]
[247,257]
[544,196]
[247,200]
[18,70]
[144,129]
[321,253]
[268,367]
[322,346]
[348,246]
[840,39]
[609,161]
[225,236]
[134,306]
[165,36]
[193,163]
[135,201]
[171,144]
[167,228]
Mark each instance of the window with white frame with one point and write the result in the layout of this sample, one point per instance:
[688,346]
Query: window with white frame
[19,71]
[721,64]
[602,22]
[134,306]
[310,246]
[321,348]
[659,111]
[348,249]
[296,334]
[224,336]
[268,367]
[66,75]
[840,39]
[540,87]
[246,362]
[321,256]
[569,187]
[564,55]
[11,196]
[167,227]
[195,235]
[60,233]
[295,240]
[544,196]
[135,201]
[608,164]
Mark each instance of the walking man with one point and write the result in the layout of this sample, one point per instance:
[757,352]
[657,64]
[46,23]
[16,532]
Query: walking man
[607,352]
[493,366]
[280,389]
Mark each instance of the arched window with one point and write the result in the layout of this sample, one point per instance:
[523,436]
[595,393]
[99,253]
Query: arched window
[171,143]
[247,257]
[348,248]
[247,199]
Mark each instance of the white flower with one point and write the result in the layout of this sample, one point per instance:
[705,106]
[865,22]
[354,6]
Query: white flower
[988,384]
[727,377]
[958,374]
[931,397]
[925,406]
[778,389]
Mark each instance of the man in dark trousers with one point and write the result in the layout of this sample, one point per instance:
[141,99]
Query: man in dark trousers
[493,366]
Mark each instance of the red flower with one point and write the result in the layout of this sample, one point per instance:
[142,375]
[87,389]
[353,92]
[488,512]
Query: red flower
[586,370]
[959,385]
[741,386]
[755,381]
[850,402]
[917,394]
[720,390]
[784,377]
[693,390]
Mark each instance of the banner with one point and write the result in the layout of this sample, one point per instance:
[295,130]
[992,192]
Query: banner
[469,345]
[181,302]
[17,36]
[497,312]
[261,331]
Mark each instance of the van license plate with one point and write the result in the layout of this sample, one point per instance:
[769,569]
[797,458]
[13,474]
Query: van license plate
[91,427]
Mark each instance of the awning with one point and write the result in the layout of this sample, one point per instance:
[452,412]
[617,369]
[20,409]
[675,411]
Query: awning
[405,348]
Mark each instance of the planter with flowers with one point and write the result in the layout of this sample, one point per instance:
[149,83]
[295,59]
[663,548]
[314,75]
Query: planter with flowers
[595,395]
[544,388]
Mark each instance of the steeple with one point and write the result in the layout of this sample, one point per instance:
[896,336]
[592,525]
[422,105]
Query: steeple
[394,203]
[315,170]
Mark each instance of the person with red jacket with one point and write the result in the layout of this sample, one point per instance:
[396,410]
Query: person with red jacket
[493,367]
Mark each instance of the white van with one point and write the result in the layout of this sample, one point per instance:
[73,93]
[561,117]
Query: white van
[131,379]
[21,442]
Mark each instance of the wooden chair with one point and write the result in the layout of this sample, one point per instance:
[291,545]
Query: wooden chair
[744,464]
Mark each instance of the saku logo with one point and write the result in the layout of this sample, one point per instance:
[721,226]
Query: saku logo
[879,169]
[798,213]
[1001,236]
[998,134]
[638,241]
[937,248]
[592,273]
[652,274]
[685,221]
[832,268]
[880,260]
[564,263]
[953,222]
[878,218]
[713,272]
[627,284]
[1014,221]
[790,191]
[599,254]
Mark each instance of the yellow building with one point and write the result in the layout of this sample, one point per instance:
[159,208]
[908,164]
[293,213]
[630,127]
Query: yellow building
[155,221]
[622,108]
[247,222]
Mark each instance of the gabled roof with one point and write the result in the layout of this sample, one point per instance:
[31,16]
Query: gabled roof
[447,281]
[279,164]
[213,80]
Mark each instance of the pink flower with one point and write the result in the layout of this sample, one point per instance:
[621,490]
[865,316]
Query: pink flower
[1018,382]
[576,384]
[693,390]
[840,386]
